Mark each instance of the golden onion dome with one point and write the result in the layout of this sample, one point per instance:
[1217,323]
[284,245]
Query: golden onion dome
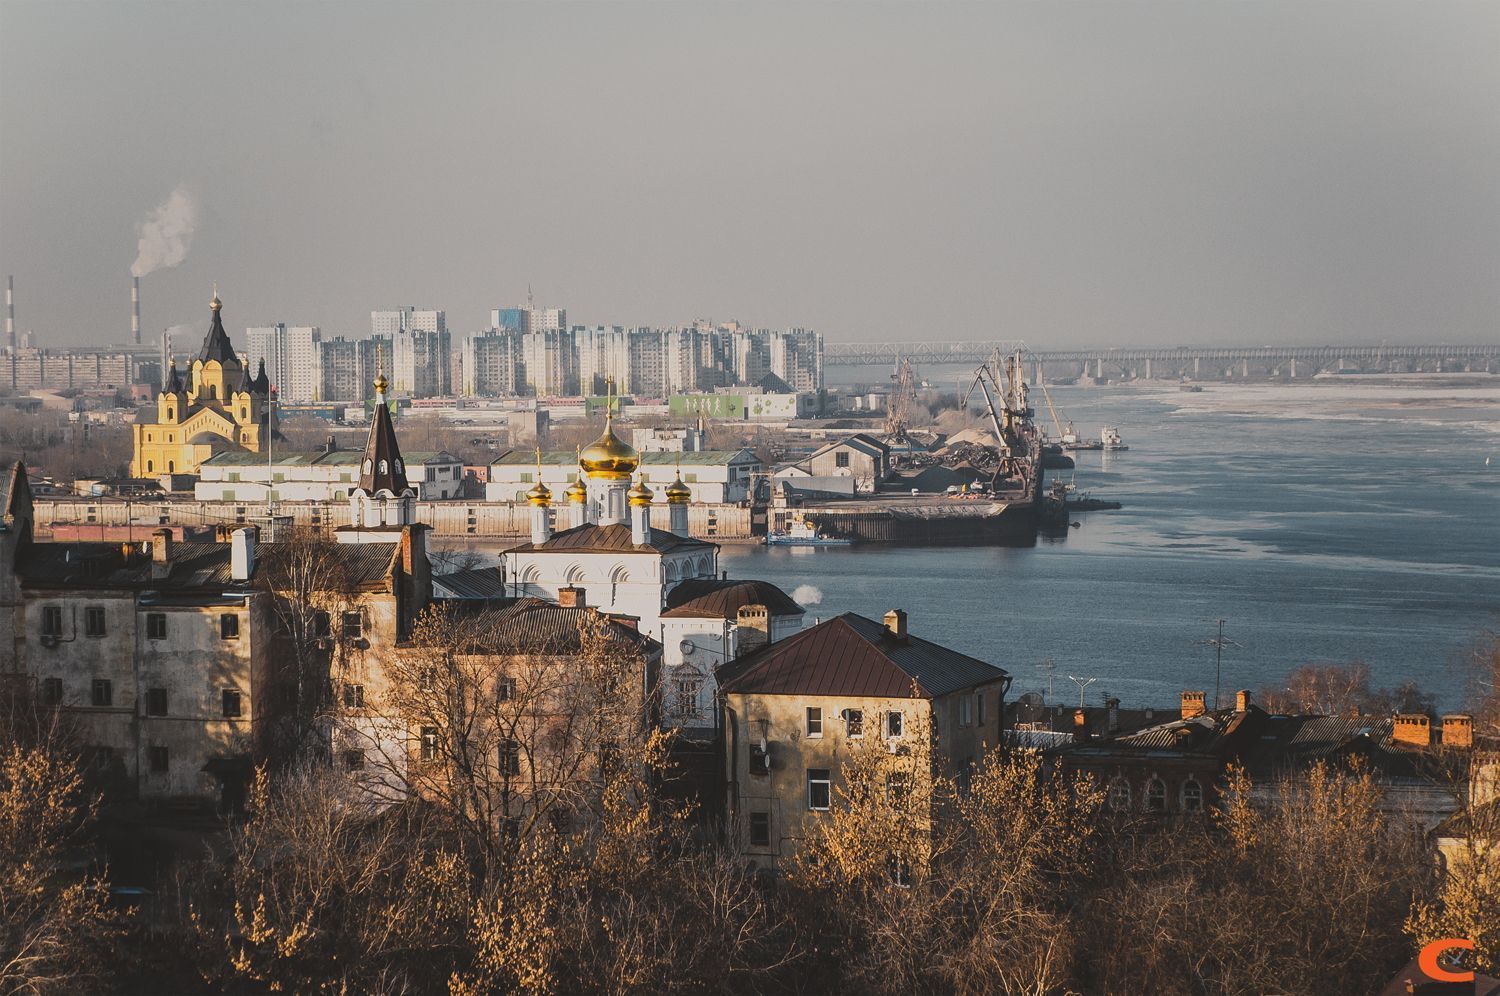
[381,383]
[577,493]
[679,493]
[539,494]
[640,494]
[609,458]
[214,304]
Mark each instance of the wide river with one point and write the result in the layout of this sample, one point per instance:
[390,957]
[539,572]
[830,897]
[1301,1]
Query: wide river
[1329,522]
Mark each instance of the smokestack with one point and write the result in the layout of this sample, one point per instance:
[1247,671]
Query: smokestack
[10,312]
[135,310]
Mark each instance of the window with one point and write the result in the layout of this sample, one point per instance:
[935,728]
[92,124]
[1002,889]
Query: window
[814,722]
[52,620]
[1192,796]
[510,758]
[321,625]
[854,723]
[894,724]
[101,758]
[429,743]
[898,788]
[1156,796]
[231,702]
[354,696]
[505,689]
[156,625]
[52,692]
[841,458]
[1119,795]
[819,788]
[354,625]
[229,626]
[156,701]
[159,760]
[964,781]
[354,760]
[979,707]
[93,620]
[965,710]
[103,693]
[760,829]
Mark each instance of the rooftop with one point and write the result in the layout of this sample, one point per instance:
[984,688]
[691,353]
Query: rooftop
[709,598]
[191,565]
[568,458]
[612,538]
[854,656]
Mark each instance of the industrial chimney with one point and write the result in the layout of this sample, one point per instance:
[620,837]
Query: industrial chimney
[10,325]
[135,310]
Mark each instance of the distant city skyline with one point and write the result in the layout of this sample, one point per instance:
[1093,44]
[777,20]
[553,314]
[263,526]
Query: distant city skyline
[1081,175]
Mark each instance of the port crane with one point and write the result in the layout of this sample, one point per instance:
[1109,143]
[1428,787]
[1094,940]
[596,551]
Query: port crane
[1015,437]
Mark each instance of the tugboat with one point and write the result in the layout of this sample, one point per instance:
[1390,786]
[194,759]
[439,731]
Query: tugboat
[804,533]
[1110,439]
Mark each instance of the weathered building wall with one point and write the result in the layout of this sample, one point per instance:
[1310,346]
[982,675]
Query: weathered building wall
[447,518]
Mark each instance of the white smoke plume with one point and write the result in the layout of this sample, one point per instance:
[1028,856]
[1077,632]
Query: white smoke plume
[167,234]
[806,594]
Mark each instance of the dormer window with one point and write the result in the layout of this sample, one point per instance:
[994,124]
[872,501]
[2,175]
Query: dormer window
[367,466]
[384,467]
[399,468]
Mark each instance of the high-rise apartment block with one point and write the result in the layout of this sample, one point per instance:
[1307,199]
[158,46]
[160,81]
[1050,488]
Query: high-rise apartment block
[347,366]
[421,361]
[653,363]
[291,358]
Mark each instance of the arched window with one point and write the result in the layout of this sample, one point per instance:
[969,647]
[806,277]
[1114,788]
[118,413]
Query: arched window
[171,466]
[1192,796]
[367,466]
[1156,796]
[213,391]
[149,467]
[384,467]
[171,413]
[1119,795]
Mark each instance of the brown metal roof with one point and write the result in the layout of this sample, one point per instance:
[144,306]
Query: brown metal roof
[191,565]
[710,598]
[533,625]
[852,655]
[613,538]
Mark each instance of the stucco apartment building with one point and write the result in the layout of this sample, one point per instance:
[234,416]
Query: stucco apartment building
[796,710]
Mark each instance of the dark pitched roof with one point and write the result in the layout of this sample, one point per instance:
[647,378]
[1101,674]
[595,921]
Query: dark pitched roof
[529,625]
[773,384]
[852,655]
[595,538]
[383,469]
[173,383]
[715,599]
[216,345]
[478,582]
[262,384]
[192,565]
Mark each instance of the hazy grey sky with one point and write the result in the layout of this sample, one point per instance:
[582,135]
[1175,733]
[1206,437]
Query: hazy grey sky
[1068,173]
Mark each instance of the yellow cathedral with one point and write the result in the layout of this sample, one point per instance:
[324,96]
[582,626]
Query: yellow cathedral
[221,409]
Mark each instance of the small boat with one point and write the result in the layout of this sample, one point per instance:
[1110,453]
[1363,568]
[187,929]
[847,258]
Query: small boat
[804,533]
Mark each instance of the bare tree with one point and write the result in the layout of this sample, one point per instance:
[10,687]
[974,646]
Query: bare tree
[309,590]
[53,921]
[506,729]
[323,891]
[1341,690]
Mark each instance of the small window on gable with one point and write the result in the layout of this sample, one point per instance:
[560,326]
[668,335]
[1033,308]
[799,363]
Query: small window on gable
[814,722]
[854,723]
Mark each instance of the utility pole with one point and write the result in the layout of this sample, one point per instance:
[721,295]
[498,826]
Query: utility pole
[1048,666]
[1219,642]
[1082,684]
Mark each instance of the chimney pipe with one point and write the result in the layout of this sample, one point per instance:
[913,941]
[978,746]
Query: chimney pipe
[895,624]
[242,554]
[161,553]
[135,310]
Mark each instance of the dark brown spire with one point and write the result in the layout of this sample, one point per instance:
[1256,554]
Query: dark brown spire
[382,468]
[216,345]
